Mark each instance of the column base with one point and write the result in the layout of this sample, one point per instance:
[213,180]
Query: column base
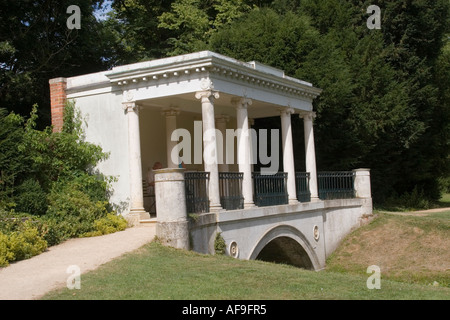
[213,208]
[173,234]
[249,205]
[293,201]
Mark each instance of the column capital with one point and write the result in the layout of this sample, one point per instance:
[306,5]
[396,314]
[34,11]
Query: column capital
[241,102]
[207,95]
[307,115]
[170,112]
[286,111]
[130,106]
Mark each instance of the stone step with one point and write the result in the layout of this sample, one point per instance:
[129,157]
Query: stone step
[148,221]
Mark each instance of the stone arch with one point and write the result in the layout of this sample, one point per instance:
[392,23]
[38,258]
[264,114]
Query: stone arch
[286,244]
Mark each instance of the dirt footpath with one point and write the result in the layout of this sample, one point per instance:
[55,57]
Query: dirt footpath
[32,278]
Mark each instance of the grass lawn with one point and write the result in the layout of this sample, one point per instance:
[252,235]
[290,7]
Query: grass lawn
[445,201]
[411,249]
[157,272]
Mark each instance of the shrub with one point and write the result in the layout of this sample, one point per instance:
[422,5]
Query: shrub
[24,243]
[219,244]
[50,174]
[5,253]
[109,224]
[27,242]
[72,213]
[30,198]
[415,200]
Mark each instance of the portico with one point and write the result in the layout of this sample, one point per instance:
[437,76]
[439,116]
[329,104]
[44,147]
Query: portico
[160,96]
[221,87]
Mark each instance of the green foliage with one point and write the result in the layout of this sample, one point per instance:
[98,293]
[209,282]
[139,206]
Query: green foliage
[219,244]
[50,175]
[30,197]
[72,212]
[24,243]
[36,45]
[380,107]
[109,224]
[5,254]
[414,200]
[12,162]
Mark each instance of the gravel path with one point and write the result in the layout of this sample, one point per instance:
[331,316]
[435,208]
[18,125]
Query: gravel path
[32,278]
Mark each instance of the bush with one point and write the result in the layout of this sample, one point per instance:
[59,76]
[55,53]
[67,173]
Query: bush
[219,244]
[72,213]
[415,200]
[22,244]
[50,175]
[5,253]
[27,242]
[109,224]
[31,198]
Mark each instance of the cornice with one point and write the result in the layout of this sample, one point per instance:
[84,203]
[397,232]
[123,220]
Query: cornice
[209,65]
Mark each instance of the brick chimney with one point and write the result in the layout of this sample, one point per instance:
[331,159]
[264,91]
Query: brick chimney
[58,99]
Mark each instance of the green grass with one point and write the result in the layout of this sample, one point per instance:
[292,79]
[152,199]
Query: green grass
[157,272]
[444,202]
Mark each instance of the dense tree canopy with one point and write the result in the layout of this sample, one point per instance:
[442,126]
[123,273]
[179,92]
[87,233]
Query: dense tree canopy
[386,93]
[36,45]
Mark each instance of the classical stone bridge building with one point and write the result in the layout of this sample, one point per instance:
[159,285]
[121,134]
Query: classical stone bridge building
[193,114]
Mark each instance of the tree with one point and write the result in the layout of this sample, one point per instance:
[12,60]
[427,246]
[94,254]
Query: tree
[134,30]
[36,45]
[379,108]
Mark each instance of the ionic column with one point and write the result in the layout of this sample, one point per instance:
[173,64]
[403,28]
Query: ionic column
[310,153]
[288,153]
[210,146]
[221,124]
[137,211]
[244,149]
[171,125]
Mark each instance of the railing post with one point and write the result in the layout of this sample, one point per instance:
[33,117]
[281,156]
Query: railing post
[172,226]
[363,188]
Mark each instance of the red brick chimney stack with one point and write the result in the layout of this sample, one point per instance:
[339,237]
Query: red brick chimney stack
[58,99]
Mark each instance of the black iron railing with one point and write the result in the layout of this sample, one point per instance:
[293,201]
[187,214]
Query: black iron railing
[270,190]
[230,187]
[197,196]
[302,186]
[336,185]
